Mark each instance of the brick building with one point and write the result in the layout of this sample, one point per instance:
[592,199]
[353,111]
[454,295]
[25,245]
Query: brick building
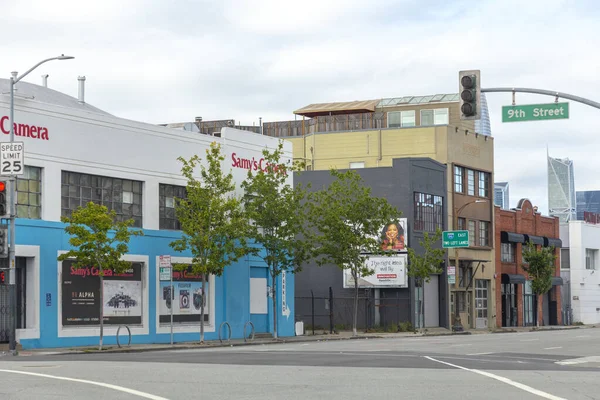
[517,305]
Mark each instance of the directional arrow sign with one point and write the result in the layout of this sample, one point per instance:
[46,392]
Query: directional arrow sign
[535,112]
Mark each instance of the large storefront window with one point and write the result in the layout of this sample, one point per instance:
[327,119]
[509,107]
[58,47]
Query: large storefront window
[29,193]
[122,296]
[185,298]
[122,195]
[167,195]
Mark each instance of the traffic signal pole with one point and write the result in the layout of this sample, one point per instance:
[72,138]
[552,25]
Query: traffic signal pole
[578,99]
[12,211]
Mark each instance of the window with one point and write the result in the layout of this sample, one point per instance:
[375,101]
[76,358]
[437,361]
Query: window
[471,229]
[428,212]
[507,252]
[462,223]
[565,262]
[401,119]
[484,233]
[438,116]
[484,184]
[166,205]
[470,182]
[357,164]
[29,193]
[591,258]
[523,248]
[458,179]
[122,195]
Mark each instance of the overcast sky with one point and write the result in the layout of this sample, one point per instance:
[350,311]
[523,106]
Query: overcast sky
[170,61]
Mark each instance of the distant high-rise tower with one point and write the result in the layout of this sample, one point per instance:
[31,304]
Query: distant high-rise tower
[501,198]
[561,189]
[483,125]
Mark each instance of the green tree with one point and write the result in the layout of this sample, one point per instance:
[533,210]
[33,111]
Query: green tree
[539,265]
[212,219]
[277,210]
[98,239]
[349,221]
[422,266]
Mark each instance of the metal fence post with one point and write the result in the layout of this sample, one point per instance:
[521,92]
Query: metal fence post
[330,309]
[312,297]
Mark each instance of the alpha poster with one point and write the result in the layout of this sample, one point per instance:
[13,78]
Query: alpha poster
[185,297]
[81,296]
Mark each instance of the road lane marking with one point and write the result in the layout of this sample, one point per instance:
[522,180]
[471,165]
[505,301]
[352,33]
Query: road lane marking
[581,360]
[552,348]
[503,379]
[480,354]
[106,385]
[582,336]
[529,340]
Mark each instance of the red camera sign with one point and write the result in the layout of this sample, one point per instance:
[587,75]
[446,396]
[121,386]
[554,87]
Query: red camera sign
[2,277]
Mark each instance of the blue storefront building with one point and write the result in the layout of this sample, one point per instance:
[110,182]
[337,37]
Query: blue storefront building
[75,153]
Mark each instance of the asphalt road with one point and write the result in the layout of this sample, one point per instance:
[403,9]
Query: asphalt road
[533,365]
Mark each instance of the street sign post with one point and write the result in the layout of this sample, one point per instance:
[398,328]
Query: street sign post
[11,158]
[165,272]
[535,112]
[451,275]
[454,239]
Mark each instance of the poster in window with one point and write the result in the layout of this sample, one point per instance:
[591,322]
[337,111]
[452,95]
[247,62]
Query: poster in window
[185,298]
[393,236]
[81,295]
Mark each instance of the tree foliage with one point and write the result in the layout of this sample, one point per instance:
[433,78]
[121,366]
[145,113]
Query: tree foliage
[278,213]
[539,265]
[213,222]
[349,222]
[98,239]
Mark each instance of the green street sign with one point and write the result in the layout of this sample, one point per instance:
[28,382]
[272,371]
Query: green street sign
[453,239]
[535,112]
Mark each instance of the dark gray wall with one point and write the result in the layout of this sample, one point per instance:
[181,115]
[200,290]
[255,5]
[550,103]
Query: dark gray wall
[398,184]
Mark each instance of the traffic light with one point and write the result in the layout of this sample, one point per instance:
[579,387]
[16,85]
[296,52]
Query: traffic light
[3,241]
[3,205]
[470,94]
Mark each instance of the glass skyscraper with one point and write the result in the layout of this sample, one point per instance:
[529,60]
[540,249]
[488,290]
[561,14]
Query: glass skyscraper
[501,198]
[561,189]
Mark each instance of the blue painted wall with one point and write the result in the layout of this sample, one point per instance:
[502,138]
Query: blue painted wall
[232,289]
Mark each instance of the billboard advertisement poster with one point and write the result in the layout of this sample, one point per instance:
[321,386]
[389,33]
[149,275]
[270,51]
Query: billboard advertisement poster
[389,272]
[185,297]
[394,236]
[122,295]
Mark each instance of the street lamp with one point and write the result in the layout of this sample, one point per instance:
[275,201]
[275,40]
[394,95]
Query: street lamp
[457,327]
[12,190]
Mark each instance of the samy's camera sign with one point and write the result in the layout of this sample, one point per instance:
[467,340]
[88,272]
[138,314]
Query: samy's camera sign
[388,272]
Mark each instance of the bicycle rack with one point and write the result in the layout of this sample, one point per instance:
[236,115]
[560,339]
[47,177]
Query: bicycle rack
[252,331]
[128,333]
[221,327]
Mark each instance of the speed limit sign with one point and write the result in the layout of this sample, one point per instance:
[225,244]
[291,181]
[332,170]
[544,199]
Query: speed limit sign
[11,158]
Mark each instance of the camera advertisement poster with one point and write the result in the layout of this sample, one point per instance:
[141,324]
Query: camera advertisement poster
[185,298]
[389,272]
[122,295]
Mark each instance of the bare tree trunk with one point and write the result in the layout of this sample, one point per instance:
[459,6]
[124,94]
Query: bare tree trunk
[355,315]
[274,302]
[537,311]
[101,308]
[202,308]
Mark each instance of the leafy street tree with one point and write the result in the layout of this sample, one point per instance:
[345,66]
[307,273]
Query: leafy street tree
[422,266]
[539,265]
[278,213]
[349,221]
[212,220]
[98,240]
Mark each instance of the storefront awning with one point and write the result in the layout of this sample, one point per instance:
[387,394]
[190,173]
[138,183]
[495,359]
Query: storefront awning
[534,239]
[551,242]
[513,278]
[557,281]
[511,237]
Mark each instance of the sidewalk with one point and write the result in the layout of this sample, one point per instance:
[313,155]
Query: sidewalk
[323,337]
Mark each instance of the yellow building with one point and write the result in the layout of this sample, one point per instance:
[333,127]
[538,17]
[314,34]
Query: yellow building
[367,134]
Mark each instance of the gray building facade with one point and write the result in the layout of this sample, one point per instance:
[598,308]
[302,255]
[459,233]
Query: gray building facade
[417,187]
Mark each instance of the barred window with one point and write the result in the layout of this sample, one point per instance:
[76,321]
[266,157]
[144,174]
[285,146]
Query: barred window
[428,212]
[29,193]
[166,198]
[122,195]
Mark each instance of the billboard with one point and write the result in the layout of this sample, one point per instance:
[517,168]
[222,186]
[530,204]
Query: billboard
[389,272]
[394,236]
[185,298]
[122,295]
